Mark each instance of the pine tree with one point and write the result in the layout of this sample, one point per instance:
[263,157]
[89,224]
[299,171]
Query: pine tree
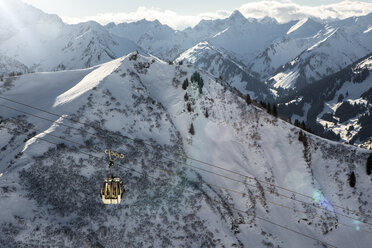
[275,111]
[340,98]
[192,130]
[302,137]
[248,99]
[352,179]
[297,123]
[196,78]
[303,126]
[186,97]
[369,164]
[268,108]
[206,113]
[201,85]
[189,107]
[134,56]
[185,84]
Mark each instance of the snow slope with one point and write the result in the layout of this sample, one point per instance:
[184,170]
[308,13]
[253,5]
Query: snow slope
[245,39]
[219,63]
[9,65]
[49,193]
[302,35]
[155,38]
[340,44]
[43,42]
[284,55]
[340,103]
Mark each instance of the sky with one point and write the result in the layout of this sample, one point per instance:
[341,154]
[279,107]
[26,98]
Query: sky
[83,8]
[181,14]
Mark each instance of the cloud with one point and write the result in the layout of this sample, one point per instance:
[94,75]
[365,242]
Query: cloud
[283,11]
[288,11]
[168,17]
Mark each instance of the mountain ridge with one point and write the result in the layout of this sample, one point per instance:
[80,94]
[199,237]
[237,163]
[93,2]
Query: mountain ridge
[332,92]
[142,97]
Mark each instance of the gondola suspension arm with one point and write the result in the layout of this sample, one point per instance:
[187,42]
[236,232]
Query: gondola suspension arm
[113,156]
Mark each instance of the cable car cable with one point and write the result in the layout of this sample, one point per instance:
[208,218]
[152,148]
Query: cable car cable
[193,192]
[212,185]
[178,154]
[195,167]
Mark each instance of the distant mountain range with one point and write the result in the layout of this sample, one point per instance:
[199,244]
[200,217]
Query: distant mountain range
[271,61]
[338,106]
[42,42]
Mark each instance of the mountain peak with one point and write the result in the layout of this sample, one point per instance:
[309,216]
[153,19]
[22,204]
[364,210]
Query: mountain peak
[110,25]
[145,21]
[236,15]
[268,20]
[305,27]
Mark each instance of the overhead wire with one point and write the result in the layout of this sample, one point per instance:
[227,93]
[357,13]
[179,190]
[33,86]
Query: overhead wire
[173,173]
[204,170]
[193,192]
[270,191]
[175,153]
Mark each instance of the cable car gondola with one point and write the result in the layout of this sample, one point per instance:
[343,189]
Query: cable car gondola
[113,187]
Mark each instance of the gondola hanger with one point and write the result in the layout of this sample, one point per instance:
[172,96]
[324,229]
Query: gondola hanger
[113,187]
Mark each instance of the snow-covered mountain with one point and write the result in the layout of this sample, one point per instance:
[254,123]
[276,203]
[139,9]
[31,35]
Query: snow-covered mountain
[43,42]
[244,38]
[285,55]
[11,66]
[300,36]
[49,193]
[220,64]
[288,55]
[157,39]
[91,44]
[235,34]
[210,169]
[340,44]
[338,106]
[306,27]
[168,44]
